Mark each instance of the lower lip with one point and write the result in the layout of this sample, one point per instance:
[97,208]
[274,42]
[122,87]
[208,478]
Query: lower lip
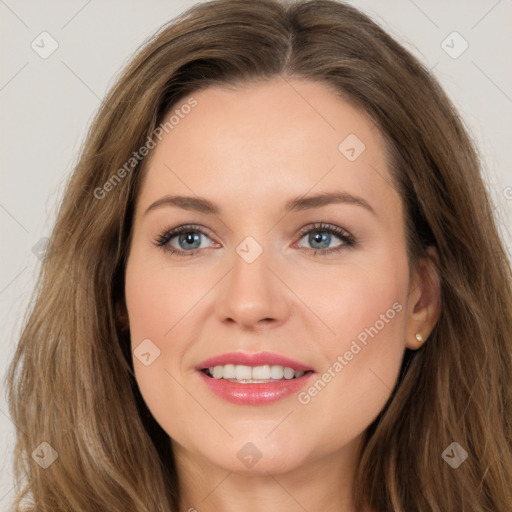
[255,394]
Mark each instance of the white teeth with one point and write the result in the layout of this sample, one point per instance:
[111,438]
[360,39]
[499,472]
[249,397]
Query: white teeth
[289,373]
[229,371]
[266,372]
[277,372]
[261,372]
[243,372]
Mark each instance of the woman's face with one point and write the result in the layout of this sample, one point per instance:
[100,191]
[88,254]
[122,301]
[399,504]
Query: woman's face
[293,247]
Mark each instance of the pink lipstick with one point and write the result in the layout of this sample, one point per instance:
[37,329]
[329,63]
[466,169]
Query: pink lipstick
[253,379]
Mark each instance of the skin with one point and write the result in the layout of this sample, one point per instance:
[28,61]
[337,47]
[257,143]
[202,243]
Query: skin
[249,150]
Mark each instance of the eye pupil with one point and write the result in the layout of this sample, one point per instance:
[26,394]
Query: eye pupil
[190,238]
[318,237]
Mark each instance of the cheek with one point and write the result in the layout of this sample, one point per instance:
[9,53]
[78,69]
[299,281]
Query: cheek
[363,353]
[158,297]
[164,307]
[154,309]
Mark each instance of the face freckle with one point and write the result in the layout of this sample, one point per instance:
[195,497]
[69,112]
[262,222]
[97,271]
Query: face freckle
[274,185]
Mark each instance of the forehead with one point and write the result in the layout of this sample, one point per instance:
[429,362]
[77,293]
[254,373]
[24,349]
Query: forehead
[267,139]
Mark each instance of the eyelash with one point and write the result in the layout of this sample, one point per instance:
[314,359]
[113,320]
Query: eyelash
[349,241]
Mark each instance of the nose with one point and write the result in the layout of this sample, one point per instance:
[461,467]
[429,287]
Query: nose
[253,295]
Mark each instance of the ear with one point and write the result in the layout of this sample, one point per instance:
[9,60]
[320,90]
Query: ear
[122,315]
[424,302]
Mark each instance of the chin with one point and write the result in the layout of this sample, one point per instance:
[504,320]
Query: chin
[257,455]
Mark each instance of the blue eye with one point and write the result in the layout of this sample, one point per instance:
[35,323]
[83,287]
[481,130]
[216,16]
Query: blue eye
[188,239]
[321,235]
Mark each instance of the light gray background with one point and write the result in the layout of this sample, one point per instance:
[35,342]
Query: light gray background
[47,104]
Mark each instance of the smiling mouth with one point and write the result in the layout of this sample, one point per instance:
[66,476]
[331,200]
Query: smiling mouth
[263,374]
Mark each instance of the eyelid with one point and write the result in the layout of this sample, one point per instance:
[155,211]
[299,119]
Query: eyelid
[342,234]
[323,226]
[168,234]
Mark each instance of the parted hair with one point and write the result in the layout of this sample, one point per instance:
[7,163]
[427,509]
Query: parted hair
[71,382]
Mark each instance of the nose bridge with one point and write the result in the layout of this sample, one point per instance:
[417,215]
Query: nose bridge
[251,292]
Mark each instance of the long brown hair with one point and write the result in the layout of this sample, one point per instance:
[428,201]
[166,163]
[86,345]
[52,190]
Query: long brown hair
[71,383]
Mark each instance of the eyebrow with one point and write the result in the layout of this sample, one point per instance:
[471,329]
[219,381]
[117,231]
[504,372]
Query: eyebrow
[300,203]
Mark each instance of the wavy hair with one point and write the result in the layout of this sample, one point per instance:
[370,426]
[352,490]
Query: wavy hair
[71,382]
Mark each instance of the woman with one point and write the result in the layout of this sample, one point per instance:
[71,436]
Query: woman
[275,283]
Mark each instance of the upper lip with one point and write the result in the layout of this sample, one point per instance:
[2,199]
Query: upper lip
[258,359]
